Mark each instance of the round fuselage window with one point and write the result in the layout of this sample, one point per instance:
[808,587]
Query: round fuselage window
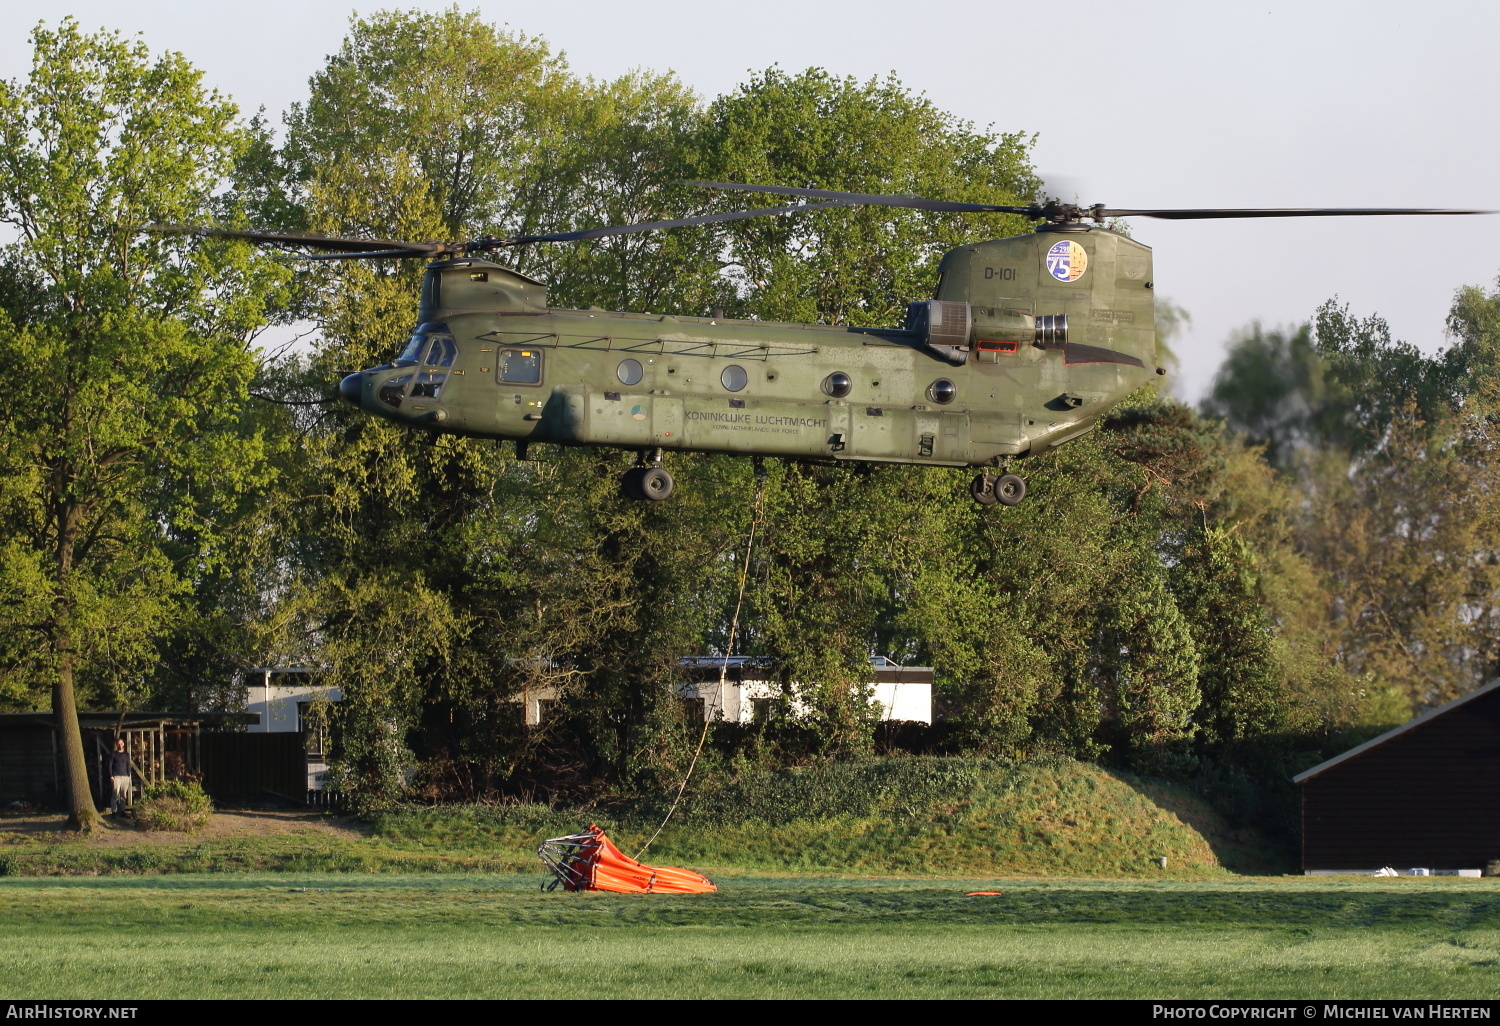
[629,372]
[734,377]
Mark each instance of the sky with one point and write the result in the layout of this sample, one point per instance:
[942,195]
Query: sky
[1138,104]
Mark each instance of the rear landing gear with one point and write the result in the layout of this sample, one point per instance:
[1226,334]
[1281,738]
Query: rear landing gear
[650,481]
[1007,489]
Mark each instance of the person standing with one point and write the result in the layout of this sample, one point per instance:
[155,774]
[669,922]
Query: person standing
[119,775]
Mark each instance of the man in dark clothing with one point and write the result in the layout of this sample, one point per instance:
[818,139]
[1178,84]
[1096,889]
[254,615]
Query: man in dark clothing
[119,775]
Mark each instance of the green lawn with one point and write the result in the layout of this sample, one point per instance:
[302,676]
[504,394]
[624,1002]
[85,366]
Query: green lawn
[365,935]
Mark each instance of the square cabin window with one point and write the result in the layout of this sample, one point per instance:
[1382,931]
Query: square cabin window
[519,366]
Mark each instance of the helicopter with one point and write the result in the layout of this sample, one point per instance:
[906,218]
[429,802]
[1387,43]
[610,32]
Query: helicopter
[1026,343]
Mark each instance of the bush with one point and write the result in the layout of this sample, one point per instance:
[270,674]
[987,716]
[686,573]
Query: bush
[138,861]
[179,805]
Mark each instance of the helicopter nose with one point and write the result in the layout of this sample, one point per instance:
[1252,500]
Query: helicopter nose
[352,388]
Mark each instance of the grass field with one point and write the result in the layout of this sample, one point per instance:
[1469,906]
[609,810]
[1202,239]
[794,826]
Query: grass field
[378,936]
[845,880]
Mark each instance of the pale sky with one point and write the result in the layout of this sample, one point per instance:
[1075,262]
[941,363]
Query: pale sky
[1140,104]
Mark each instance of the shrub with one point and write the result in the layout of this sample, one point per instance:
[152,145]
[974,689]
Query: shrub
[179,805]
[138,861]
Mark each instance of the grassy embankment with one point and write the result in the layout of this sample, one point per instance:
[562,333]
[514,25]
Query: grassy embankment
[334,936]
[932,817]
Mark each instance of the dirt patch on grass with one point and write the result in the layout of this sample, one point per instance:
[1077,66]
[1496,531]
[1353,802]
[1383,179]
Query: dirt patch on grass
[229,824]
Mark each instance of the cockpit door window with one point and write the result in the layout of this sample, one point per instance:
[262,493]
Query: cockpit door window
[440,355]
[429,384]
[442,351]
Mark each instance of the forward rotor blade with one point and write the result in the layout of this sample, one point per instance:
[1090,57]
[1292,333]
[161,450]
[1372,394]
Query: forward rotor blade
[1214,212]
[651,226]
[871,199]
[312,240]
[374,254]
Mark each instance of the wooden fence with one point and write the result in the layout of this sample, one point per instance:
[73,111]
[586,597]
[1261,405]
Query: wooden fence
[251,766]
[28,765]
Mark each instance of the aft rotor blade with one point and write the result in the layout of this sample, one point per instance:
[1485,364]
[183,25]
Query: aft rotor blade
[314,240]
[872,199]
[1215,212]
[651,226]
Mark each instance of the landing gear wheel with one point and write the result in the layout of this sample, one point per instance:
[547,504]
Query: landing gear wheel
[656,483]
[983,490]
[1010,489]
[630,483]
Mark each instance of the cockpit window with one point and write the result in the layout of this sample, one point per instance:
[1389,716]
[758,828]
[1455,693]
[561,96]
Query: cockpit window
[519,366]
[429,384]
[418,341]
[394,389]
[441,352]
[412,352]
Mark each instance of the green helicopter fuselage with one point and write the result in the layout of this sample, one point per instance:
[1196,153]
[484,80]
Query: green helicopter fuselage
[1027,342]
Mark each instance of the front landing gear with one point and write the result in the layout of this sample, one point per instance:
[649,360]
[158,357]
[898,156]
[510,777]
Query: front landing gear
[1007,489]
[649,481]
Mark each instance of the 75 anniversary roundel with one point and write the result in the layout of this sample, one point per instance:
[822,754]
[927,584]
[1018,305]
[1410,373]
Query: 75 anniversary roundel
[1067,260]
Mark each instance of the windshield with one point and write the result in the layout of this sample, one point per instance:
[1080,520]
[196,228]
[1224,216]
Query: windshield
[413,351]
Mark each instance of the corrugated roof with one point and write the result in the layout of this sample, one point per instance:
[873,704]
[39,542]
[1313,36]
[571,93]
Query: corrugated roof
[1383,738]
[109,719]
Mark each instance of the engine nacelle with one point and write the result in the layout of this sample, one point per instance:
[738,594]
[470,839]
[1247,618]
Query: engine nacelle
[944,327]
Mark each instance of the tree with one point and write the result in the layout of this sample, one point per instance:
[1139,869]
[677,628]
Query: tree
[1381,380]
[466,104]
[1474,325]
[536,575]
[1217,588]
[1273,389]
[860,265]
[438,573]
[1147,668]
[129,367]
[1391,453]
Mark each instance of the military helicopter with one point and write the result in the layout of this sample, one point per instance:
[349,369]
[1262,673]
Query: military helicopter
[1027,342]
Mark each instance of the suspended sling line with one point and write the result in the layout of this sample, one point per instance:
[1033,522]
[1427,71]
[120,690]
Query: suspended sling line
[734,626]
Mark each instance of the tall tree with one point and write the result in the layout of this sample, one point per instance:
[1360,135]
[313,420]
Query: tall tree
[508,578]
[860,265]
[129,365]
[466,103]
[1391,451]
[1273,389]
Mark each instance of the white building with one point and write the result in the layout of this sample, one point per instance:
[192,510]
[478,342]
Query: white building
[287,697]
[747,696]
